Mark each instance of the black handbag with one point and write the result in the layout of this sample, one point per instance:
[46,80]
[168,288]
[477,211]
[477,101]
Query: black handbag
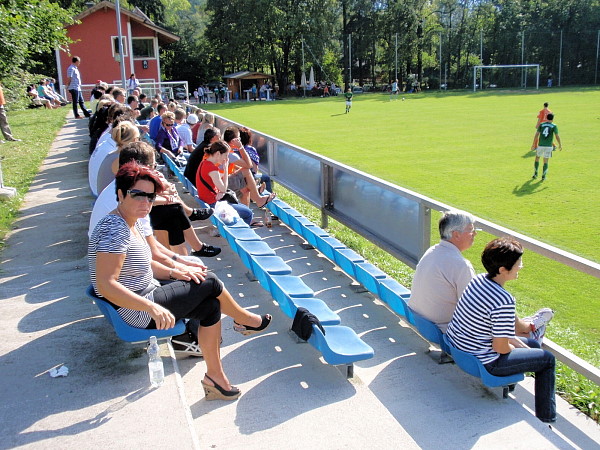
[228,196]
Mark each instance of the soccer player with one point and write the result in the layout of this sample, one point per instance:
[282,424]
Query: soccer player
[348,94]
[542,144]
[542,115]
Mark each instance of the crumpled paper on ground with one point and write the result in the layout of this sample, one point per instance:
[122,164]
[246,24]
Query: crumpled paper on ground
[62,371]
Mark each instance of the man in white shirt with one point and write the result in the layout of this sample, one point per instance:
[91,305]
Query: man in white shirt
[185,132]
[442,273]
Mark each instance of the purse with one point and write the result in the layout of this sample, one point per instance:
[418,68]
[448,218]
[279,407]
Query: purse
[228,196]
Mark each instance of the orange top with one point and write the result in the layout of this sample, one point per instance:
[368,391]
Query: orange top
[543,116]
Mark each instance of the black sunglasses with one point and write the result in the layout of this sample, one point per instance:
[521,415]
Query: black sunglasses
[168,124]
[140,195]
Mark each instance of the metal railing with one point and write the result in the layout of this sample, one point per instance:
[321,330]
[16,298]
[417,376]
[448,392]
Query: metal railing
[396,219]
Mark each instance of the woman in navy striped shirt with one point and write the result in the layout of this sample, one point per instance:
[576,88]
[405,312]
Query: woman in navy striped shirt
[123,272]
[484,324]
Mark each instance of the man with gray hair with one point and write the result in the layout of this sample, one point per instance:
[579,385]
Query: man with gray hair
[442,273]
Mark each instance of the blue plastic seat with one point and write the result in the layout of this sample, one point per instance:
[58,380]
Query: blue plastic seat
[340,345]
[369,275]
[390,291]
[247,250]
[471,364]
[299,224]
[265,266]
[312,233]
[347,259]
[284,288]
[319,308]
[127,332]
[430,331]
[328,246]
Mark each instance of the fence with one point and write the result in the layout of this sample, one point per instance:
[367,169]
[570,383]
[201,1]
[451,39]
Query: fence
[357,199]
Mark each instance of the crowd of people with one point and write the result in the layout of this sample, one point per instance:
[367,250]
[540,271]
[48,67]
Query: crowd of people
[140,229]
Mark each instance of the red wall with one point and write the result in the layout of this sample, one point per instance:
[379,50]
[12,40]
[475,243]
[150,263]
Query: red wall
[93,45]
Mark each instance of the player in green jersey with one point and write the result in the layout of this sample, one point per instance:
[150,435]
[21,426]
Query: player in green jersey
[348,94]
[543,144]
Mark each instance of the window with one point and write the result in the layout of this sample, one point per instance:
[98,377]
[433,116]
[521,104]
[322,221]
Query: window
[115,46]
[143,47]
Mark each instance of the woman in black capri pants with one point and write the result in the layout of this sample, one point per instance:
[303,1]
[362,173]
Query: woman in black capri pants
[123,272]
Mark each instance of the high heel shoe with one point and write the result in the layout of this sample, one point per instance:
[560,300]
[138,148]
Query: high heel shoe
[216,392]
[247,330]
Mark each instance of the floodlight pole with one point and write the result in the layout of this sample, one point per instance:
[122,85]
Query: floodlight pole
[597,48]
[522,56]
[441,62]
[396,64]
[350,59]
[121,53]
[303,70]
[560,58]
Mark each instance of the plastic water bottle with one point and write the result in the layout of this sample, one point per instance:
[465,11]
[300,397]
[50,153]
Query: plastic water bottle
[155,364]
[268,221]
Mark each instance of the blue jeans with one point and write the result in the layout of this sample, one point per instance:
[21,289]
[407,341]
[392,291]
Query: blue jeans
[244,212]
[77,98]
[536,360]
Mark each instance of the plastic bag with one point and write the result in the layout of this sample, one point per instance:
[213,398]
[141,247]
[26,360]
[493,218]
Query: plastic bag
[225,212]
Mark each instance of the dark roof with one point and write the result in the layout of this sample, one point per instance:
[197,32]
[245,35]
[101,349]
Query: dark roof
[247,75]
[164,36]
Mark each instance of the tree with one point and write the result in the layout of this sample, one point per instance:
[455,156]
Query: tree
[31,28]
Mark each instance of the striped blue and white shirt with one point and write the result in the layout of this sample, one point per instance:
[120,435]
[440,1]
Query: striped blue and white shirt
[112,235]
[484,311]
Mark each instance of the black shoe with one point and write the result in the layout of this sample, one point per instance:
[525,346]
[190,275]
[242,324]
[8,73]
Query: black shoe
[185,344]
[201,213]
[247,330]
[207,250]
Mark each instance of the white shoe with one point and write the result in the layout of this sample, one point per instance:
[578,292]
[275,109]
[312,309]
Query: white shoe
[541,318]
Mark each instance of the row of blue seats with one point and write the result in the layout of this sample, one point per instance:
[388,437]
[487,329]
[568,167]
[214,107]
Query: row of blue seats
[339,345]
[387,289]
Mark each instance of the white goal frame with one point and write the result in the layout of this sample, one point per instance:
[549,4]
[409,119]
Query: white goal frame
[513,66]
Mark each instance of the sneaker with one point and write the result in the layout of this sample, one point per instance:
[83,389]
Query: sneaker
[542,318]
[185,344]
[207,250]
[534,176]
[201,213]
[544,177]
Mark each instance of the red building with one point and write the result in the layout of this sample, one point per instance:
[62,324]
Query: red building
[96,42]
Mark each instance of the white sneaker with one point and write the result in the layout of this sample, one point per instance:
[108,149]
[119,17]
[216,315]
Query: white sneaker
[541,318]
[185,344]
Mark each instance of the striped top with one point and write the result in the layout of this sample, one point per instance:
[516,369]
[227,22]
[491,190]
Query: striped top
[484,311]
[112,235]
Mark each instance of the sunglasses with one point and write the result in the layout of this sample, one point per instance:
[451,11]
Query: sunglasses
[140,195]
[167,124]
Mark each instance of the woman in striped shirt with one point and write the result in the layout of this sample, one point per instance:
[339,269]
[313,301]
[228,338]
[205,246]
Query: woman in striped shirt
[123,272]
[484,324]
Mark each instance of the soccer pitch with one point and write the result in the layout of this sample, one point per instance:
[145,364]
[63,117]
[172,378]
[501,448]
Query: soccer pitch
[472,151]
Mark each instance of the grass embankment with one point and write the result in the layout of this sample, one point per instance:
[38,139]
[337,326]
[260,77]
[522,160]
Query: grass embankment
[21,160]
[472,152]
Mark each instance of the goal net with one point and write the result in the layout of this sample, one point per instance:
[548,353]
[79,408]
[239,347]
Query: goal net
[517,76]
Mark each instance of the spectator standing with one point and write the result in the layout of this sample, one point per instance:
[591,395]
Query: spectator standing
[74,87]
[4,120]
[132,84]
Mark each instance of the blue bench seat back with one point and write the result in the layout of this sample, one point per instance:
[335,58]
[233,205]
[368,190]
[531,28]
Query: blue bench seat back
[429,331]
[125,331]
[470,364]
[340,345]
[319,308]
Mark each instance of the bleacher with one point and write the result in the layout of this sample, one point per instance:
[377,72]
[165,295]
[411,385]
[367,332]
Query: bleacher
[339,345]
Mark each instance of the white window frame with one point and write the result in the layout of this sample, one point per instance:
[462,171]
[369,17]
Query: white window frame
[113,40]
[154,46]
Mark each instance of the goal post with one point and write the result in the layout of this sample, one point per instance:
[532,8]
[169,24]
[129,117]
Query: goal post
[525,67]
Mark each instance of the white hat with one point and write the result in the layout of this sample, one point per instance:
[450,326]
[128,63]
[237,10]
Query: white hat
[192,119]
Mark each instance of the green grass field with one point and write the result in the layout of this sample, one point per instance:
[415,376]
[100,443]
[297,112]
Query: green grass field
[472,151]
